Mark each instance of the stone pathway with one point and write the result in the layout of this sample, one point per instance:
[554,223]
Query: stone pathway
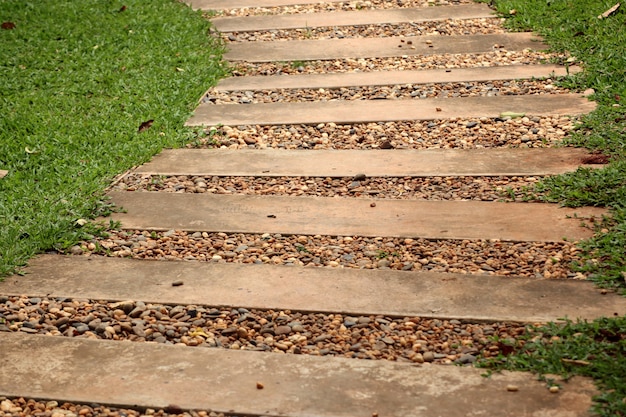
[306,247]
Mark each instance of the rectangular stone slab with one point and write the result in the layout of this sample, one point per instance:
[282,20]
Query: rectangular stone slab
[374,78]
[3,173]
[346,291]
[373,163]
[156,376]
[362,111]
[351,216]
[238,4]
[325,49]
[350,18]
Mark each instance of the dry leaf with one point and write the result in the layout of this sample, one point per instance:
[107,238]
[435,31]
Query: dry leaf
[8,25]
[595,159]
[145,126]
[575,362]
[122,8]
[609,12]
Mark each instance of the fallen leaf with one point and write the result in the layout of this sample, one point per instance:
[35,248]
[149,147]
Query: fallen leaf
[577,362]
[122,8]
[180,69]
[145,126]
[198,332]
[8,25]
[609,12]
[595,159]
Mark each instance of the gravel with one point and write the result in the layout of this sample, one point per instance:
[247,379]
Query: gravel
[491,257]
[430,188]
[471,133]
[405,91]
[447,27]
[345,6]
[405,339]
[17,407]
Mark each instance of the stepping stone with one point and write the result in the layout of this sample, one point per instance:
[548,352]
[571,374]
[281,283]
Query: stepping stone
[375,78]
[373,163]
[325,49]
[351,18]
[346,291]
[3,173]
[239,4]
[145,375]
[363,111]
[352,216]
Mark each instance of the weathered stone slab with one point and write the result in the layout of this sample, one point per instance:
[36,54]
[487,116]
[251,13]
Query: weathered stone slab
[325,49]
[351,216]
[346,291]
[374,78]
[362,111]
[157,376]
[238,4]
[3,173]
[351,18]
[373,163]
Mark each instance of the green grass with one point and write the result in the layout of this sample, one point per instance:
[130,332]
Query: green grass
[598,45]
[594,349]
[77,79]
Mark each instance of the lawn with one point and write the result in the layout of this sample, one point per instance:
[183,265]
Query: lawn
[77,80]
[596,349]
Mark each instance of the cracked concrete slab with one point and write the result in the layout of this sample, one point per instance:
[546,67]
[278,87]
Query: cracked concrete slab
[352,217]
[372,163]
[351,18]
[345,291]
[363,111]
[258,383]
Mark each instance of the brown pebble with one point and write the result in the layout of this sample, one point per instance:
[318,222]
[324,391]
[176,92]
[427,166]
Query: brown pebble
[554,389]
[512,388]
[603,291]
[177,283]
[372,204]
[374,414]
[259,385]
[438,108]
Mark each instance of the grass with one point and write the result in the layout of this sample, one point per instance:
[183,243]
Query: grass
[594,349]
[78,79]
[598,45]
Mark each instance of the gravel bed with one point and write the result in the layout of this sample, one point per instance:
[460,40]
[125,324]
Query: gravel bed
[18,407]
[524,132]
[495,58]
[499,188]
[329,7]
[407,339]
[447,27]
[404,91]
[490,257]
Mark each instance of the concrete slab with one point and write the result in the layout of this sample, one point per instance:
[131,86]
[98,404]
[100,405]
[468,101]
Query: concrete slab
[239,4]
[362,111]
[356,79]
[325,49]
[351,216]
[3,173]
[346,291]
[351,18]
[157,376]
[373,163]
